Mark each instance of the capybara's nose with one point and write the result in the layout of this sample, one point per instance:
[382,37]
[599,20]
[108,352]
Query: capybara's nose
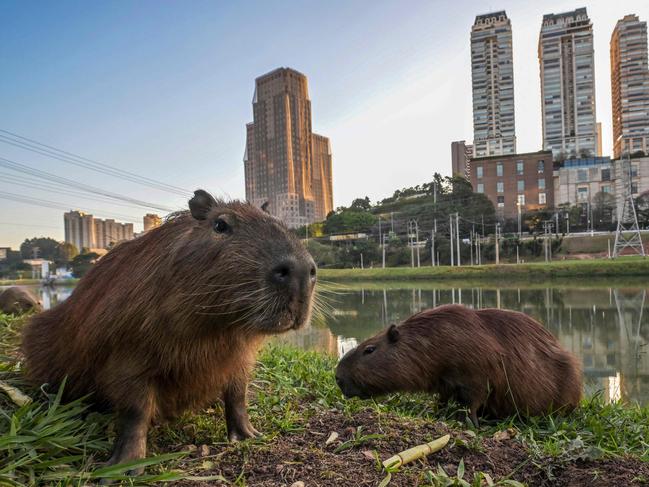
[293,273]
[340,382]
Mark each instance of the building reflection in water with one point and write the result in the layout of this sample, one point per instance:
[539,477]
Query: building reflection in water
[605,327]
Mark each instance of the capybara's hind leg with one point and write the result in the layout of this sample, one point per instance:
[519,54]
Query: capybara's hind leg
[236,410]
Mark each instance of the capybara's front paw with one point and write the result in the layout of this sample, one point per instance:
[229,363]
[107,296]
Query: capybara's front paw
[243,432]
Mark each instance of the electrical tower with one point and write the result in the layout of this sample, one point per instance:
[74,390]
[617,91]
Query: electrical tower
[628,219]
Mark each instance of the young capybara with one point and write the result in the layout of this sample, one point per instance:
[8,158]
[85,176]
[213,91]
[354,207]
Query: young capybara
[167,322]
[17,300]
[491,361]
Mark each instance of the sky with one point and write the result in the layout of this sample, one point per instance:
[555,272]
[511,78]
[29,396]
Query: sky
[164,90]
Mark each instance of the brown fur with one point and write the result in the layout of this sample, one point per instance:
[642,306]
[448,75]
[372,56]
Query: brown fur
[167,322]
[495,361]
[17,300]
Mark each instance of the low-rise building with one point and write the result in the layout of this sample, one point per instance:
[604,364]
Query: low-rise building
[577,181]
[515,182]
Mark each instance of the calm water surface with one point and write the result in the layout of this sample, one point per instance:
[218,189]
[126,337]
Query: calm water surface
[606,327]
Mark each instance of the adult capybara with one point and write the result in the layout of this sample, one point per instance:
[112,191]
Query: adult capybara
[17,300]
[494,362]
[168,321]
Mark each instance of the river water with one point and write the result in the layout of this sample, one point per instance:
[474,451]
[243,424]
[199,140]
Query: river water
[605,323]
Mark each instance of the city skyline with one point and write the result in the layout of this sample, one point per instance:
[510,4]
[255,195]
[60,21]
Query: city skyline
[148,100]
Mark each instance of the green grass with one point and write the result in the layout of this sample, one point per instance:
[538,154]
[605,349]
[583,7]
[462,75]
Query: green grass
[625,266]
[47,442]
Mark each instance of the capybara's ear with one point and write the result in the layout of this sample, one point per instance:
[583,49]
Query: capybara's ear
[393,334]
[264,207]
[201,204]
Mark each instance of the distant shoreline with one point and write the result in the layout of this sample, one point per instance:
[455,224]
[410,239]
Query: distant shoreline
[623,267]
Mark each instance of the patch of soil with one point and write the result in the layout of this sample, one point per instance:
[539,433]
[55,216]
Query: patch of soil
[304,456]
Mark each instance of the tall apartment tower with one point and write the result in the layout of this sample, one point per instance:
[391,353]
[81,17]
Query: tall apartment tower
[566,59]
[630,86]
[286,164]
[492,76]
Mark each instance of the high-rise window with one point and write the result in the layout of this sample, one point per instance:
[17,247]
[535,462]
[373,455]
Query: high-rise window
[541,198]
[582,175]
[479,172]
[606,174]
[541,183]
[480,188]
[521,185]
[519,168]
[521,200]
[499,169]
[500,187]
[501,201]
[540,167]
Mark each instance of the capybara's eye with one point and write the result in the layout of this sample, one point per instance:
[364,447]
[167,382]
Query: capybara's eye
[369,349]
[220,225]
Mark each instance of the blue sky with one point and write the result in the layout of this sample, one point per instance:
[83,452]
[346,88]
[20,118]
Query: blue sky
[164,89]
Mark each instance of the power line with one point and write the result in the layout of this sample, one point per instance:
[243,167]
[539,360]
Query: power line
[87,163]
[16,166]
[52,188]
[60,206]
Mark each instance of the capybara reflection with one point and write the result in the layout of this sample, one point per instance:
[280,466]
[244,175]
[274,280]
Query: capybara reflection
[491,361]
[17,300]
[171,320]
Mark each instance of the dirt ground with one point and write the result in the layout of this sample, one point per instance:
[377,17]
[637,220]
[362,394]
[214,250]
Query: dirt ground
[304,456]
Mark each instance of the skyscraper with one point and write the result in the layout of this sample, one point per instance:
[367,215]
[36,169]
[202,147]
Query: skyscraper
[492,75]
[566,59]
[285,164]
[322,177]
[461,154]
[630,86]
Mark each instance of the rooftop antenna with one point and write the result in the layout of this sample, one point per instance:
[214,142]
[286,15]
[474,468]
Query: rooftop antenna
[627,219]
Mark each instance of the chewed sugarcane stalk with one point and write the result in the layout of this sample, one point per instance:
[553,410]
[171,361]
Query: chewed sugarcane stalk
[416,452]
[18,397]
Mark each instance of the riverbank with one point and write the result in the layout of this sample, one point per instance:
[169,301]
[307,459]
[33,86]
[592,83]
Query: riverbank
[35,282]
[294,400]
[622,267]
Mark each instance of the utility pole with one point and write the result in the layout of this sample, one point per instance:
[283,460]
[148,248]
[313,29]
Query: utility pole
[411,242]
[417,234]
[384,244]
[567,223]
[392,222]
[556,224]
[450,223]
[518,206]
[432,245]
[471,245]
[457,236]
[497,243]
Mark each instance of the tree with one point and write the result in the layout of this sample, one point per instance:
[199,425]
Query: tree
[349,221]
[39,248]
[604,207]
[82,263]
[642,209]
[362,204]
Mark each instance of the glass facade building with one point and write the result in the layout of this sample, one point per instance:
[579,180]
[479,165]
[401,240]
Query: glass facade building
[492,76]
[630,86]
[567,67]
